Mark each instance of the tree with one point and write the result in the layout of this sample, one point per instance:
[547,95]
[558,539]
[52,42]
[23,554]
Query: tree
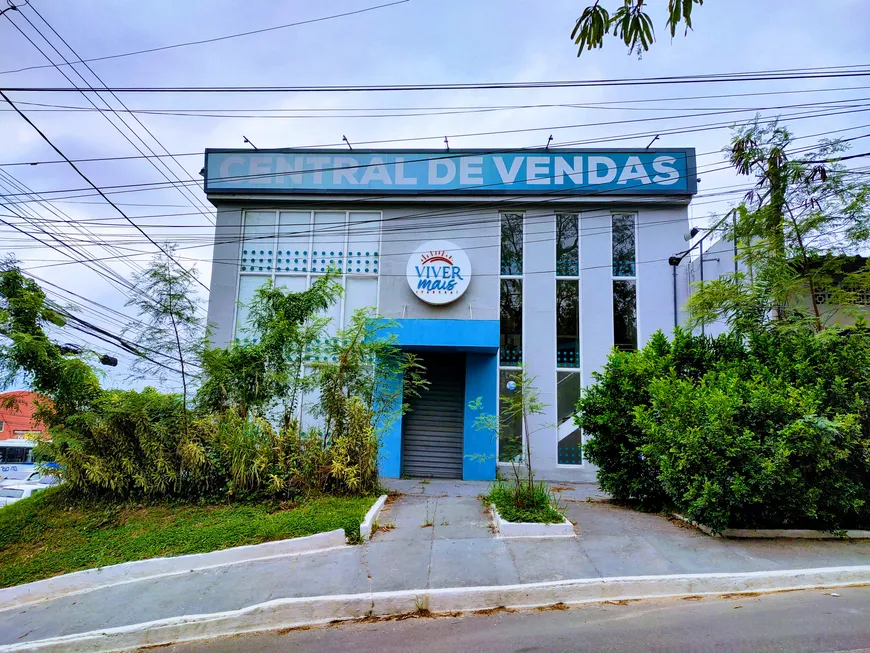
[630,23]
[362,362]
[257,375]
[522,401]
[797,231]
[167,305]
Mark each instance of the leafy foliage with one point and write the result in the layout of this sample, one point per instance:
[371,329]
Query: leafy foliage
[145,445]
[767,430]
[529,504]
[515,408]
[257,376]
[630,23]
[797,234]
[167,304]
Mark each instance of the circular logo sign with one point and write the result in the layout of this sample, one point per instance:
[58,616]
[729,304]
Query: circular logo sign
[439,272]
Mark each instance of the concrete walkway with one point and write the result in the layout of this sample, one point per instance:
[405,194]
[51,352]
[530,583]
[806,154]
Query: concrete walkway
[441,538]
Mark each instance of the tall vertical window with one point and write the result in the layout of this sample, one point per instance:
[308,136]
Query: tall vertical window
[623,245]
[567,336]
[624,282]
[511,326]
[567,245]
[511,316]
[567,394]
[511,244]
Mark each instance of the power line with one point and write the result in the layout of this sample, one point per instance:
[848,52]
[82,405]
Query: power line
[142,187]
[473,107]
[94,186]
[287,114]
[108,272]
[388,141]
[764,76]
[185,192]
[215,39]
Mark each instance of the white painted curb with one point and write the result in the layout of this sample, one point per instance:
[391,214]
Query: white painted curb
[291,613]
[130,572]
[777,533]
[512,529]
[365,529]
[88,580]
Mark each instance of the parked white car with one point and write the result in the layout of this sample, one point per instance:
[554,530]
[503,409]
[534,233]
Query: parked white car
[42,479]
[12,493]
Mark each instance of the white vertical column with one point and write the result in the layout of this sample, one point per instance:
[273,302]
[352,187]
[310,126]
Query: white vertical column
[539,332]
[596,292]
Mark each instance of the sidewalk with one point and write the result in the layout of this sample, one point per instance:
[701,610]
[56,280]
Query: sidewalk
[456,550]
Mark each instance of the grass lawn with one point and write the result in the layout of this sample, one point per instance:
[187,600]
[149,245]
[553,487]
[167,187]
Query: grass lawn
[537,505]
[48,534]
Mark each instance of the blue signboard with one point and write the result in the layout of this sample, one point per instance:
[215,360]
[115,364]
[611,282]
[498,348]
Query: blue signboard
[639,172]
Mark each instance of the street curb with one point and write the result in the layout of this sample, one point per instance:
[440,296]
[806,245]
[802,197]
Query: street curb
[511,529]
[296,612]
[87,580]
[365,529]
[777,533]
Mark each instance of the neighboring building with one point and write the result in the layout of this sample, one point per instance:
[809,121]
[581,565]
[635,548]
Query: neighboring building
[17,422]
[486,259]
[718,260]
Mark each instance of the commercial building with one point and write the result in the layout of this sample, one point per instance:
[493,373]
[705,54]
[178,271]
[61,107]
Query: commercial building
[16,415]
[485,259]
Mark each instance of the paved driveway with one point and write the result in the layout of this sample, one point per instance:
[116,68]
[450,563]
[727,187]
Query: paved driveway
[441,538]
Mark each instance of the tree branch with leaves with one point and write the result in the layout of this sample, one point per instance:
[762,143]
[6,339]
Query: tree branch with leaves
[630,23]
[799,232]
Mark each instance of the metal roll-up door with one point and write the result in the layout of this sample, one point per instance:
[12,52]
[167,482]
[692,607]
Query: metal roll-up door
[432,431]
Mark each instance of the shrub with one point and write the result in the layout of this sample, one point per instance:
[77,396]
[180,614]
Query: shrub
[524,502]
[770,431]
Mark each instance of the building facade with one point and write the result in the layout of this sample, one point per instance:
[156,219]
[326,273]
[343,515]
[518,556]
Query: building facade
[485,261]
[16,415]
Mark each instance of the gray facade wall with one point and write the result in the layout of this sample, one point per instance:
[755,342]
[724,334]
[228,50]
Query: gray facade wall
[224,274]
[475,231]
[660,229]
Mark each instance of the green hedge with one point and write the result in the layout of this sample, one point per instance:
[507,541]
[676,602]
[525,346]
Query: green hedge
[769,430]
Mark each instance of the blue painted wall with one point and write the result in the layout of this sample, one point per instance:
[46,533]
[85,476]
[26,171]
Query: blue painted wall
[479,339]
[481,378]
[390,428]
[456,335]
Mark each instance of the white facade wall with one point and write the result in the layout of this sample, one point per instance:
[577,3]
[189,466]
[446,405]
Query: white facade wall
[659,234]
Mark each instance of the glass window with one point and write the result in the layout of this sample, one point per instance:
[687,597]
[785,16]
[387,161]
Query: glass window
[510,437]
[2,425]
[247,285]
[512,243]
[511,343]
[361,293]
[567,251]
[623,246]
[11,493]
[294,230]
[328,242]
[567,394]
[571,449]
[625,314]
[567,323]
[12,455]
[362,243]
[259,241]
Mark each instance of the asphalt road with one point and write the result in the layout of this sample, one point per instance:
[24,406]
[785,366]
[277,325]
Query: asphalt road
[811,621]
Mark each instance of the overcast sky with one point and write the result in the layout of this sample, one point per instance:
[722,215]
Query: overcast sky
[419,41]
